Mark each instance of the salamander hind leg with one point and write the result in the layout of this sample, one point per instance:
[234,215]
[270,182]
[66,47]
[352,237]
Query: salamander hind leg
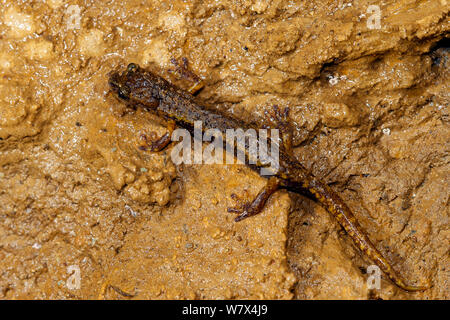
[155,144]
[248,209]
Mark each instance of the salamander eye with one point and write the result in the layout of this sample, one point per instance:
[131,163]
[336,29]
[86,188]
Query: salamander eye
[132,67]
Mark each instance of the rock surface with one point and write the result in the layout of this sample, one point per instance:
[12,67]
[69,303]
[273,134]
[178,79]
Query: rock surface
[84,214]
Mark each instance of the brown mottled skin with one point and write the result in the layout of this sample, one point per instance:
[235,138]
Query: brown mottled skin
[141,88]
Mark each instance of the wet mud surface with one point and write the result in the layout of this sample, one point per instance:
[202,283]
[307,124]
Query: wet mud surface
[85,214]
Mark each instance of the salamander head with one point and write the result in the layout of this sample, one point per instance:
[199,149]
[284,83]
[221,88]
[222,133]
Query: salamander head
[137,85]
[118,81]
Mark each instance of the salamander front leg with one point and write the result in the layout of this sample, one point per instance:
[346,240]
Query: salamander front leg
[248,209]
[183,72]
[280,120]
[155,144]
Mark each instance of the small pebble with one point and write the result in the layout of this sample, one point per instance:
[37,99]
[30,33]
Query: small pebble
[133,213]
[333,80]
[37,246]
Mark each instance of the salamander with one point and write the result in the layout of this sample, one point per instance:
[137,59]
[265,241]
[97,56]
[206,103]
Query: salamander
[138,87]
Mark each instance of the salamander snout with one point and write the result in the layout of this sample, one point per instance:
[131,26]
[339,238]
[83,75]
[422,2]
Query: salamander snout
[118,81]
[118,86]
[114,81]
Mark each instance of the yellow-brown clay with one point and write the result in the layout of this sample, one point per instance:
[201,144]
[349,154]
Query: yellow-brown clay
[137,86]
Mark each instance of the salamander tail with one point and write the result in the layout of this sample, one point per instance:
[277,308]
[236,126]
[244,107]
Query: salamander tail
[333,203]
